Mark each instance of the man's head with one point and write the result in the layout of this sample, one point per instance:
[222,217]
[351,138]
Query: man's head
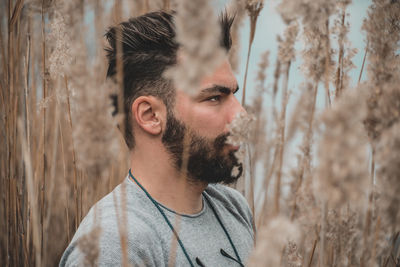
[148,49]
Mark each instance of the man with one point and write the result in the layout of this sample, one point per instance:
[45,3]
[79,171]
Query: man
[170,209]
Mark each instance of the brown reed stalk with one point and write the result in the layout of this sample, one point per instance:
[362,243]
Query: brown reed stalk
[298,185]
[75,184]
[33,79]
[174,242]
[258,131]
[167,5]
[245,73]
[24,244]
[146,7]
[368,216]
[306,149]
[80,187]
[339,71]
[44,90]
[2,94]
[281,146]
[16,13]
[277,75]
[267,180]
[27,62]
[64,179]
[8,132]
[327,72]
[363,63]
[26,86]
[251,193]
[32,195]
[52,180]
[117,9]
[119,65]
[312,252]
[254,9]
[4,60]
[322,252]
[124,230]
[122,222]
[374,243]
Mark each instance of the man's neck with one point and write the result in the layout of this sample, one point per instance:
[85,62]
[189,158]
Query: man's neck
[155,172]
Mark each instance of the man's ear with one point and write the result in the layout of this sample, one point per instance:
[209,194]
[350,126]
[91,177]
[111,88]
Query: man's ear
[149,113]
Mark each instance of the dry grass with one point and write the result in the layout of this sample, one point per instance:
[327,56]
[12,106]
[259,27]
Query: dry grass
[339,206]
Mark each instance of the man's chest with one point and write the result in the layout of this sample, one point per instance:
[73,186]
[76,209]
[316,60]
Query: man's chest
[214,242]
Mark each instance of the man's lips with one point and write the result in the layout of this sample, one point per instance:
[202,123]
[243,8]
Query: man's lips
[232,147]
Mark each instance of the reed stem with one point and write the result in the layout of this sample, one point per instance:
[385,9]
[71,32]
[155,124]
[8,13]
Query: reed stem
[282,126]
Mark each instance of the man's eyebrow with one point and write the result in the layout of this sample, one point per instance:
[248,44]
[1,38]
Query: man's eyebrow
[219,89]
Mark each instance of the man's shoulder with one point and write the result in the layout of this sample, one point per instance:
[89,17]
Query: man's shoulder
[107,242]
[124,200]
[119,213]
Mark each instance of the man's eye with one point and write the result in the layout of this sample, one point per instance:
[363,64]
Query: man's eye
[214,98]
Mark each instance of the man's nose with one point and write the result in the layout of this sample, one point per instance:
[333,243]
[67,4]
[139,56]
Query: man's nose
[235,109]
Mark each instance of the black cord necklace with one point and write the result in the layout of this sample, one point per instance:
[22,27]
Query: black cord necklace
[238,260]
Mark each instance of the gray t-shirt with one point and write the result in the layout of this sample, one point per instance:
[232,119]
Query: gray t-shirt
[149,237]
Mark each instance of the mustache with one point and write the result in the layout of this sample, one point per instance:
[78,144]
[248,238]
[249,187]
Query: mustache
[220,140]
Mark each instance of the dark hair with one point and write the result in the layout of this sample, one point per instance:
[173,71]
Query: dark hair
[148,48]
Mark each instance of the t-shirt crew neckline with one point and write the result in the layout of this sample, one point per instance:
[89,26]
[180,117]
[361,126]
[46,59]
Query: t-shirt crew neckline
[195,215]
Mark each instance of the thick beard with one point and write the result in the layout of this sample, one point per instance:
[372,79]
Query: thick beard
[206,161]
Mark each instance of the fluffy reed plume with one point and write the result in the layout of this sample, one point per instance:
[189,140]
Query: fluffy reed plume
[342,172]
[95,131]
[383,36]
[238,8]
[272,241]
[60,58]
[286,51]
[198,33]
[301,113]
[317,54]
[89,245]
[388,151]
[383,18]
[253,8]
[383,117]
[344,236]
[383,249]
[240,130]
[262,67]
[307,11]
[340,29]
[292,256]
